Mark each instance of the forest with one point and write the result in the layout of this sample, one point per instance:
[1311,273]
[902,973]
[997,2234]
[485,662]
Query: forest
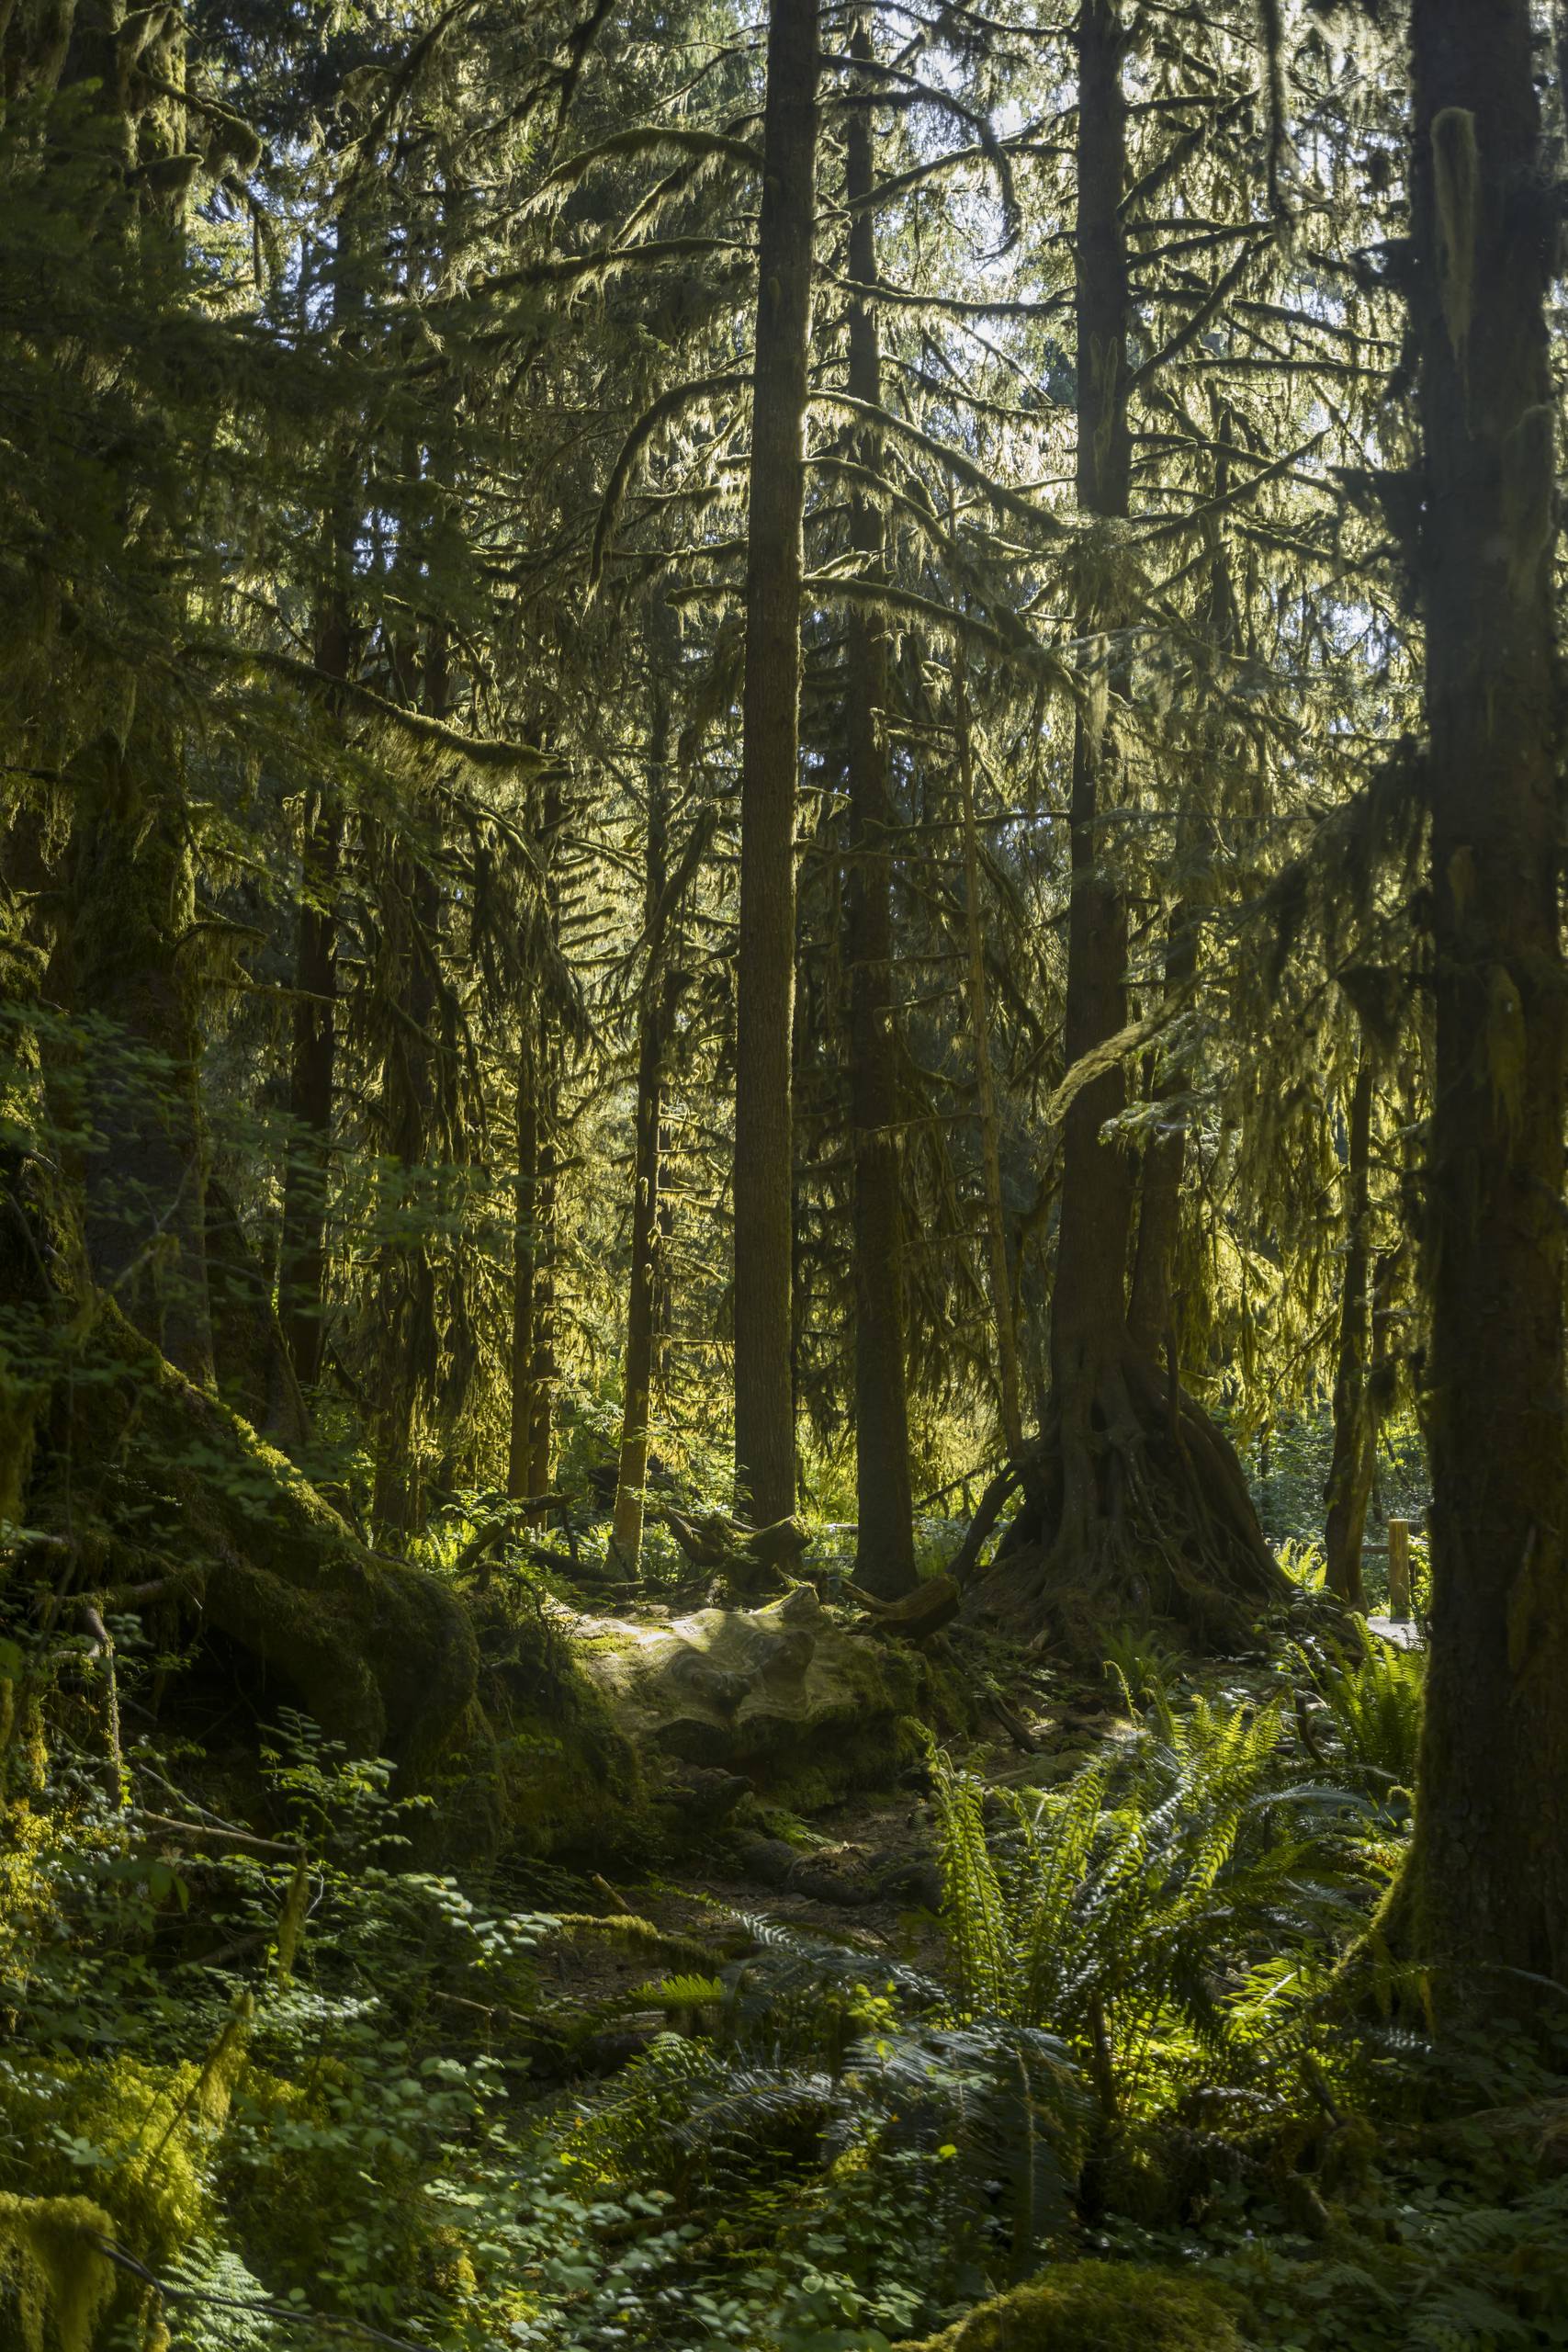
[784,1047]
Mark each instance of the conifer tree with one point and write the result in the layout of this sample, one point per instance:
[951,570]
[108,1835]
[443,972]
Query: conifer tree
[764,1399]
[1484,1901]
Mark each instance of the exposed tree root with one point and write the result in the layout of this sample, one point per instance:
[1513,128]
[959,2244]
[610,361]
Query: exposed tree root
[1134,1507]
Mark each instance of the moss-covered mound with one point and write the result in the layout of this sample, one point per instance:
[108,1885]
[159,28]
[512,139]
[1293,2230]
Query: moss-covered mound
[1097,2307]
[567,1778]
[784,1695]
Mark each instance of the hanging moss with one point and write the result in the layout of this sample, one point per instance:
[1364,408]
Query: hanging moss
[55,2285]
[154,2128]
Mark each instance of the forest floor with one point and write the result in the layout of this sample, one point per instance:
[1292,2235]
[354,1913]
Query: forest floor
[1059,2001]
[864,1873]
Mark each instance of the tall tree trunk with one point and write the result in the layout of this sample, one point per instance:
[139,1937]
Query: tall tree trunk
[533,1284]
[1150,1309]
[409,1338]
[1088,1307]
[302,1262]
[130,898]
[406,1336]
[123,954]
[525,1239]
[631,1478]
[303,1269]
[764,1417]
[543,1367]
[1009,1382]
[1354,1457]
[1134,1501]
[1485,1893]
[886,1539]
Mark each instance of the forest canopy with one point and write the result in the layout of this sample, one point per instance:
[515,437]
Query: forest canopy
[784,1439]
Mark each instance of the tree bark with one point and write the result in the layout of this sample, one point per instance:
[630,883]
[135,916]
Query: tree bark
[764,1417]
[1351,1466]
[1135,1502]
[543,1367]
[1485,1893]
[631,1480]
[1089,1305]
[1150,1310]
[1010,1387]
[123,951]
[407,1335]
[303,1264]
[409,1338]
[129,901]
[303,1268]
[524,1241]
[885,1555]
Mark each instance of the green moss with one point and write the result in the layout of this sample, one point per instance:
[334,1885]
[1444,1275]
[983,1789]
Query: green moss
[1099,2307]
[55,2286]
[145,2136]
[777,1821]
[381,1655]
[569,1779]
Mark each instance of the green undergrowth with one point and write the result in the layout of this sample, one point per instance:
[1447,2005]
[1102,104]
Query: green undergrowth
[1119,2095]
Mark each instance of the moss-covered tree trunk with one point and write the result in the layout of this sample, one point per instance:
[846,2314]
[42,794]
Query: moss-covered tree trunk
[764,1402]
[532,1274]
[1486,1889]
[406,1334]
[1134,1501]
[1009,1389]
[303,1264]
[885,1562]
[1354,1457]
[125,956]
[544,1365]
[631,1477]
[302,1260]
[524,1252]
[1151,1302]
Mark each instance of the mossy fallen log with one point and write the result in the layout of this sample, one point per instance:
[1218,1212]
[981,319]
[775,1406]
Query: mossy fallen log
[381,1655]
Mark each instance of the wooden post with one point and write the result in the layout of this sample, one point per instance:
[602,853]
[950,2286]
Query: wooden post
[1399,1569]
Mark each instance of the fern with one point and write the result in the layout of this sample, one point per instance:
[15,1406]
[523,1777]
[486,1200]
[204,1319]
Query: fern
[1375,1704]
[1128,1911]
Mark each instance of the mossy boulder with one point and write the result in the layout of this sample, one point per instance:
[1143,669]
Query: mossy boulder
[570,1780]
[783,1695]
[1099,2307]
